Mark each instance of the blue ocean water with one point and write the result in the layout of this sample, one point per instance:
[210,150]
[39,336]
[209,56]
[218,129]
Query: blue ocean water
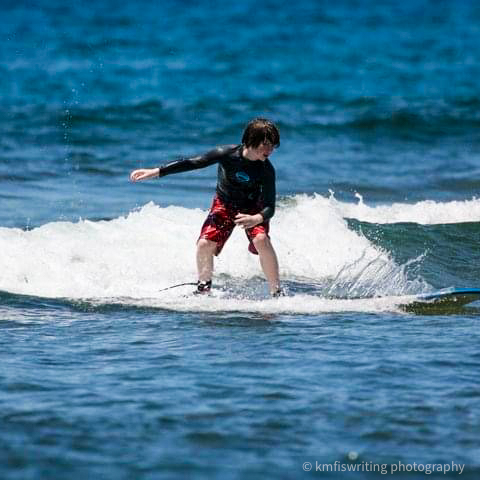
[378,171]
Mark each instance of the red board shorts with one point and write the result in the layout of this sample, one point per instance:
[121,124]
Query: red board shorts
[220,223]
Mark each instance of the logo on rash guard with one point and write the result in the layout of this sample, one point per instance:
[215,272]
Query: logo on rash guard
[242,177]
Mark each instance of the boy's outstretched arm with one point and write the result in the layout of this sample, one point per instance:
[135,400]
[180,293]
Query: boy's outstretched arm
[181,165]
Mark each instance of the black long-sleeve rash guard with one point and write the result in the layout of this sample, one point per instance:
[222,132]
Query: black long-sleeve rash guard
[241,182]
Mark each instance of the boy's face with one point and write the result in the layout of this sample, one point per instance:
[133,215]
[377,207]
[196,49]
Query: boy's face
[263,151]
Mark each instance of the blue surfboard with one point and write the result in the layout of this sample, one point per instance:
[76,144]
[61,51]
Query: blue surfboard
[448,299]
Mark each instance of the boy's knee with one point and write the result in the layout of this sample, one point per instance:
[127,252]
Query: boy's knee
[206,245]
[261,241]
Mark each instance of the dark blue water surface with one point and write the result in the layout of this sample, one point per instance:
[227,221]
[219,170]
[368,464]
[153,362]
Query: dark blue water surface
[374,96]
[101,376]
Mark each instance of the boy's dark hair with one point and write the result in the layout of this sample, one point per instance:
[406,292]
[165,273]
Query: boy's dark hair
[260,130]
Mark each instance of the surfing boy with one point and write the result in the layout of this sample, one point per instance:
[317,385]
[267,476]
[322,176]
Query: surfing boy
[245,196]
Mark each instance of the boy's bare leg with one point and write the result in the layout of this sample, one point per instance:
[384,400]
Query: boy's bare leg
[205,252]
[268,261]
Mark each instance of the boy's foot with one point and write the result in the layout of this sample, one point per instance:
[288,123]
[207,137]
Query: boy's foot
[278,293]
[203,287]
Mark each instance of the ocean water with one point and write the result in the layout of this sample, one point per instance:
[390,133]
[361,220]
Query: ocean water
[102,375]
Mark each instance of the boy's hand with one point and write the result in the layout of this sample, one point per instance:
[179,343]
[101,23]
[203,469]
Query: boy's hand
[248,221]
[143,173]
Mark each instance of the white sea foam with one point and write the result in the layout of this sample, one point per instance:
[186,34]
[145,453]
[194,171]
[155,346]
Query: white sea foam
[152,248]
[295,305]
[427,212]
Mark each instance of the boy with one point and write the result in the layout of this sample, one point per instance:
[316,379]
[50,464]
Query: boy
[245,196]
